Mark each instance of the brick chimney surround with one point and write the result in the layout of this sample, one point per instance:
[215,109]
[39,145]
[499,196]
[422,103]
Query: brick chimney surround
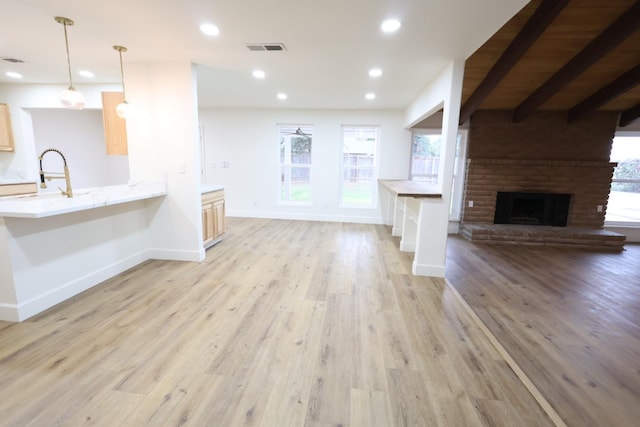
[542,154]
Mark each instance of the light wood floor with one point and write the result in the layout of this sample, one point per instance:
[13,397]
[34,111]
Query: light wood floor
[570,318]
[285,324]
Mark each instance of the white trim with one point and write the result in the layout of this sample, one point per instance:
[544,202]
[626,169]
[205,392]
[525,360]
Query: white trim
[176,255]
[305,128]
[20,312]
[407,246]
[308,217]
[376,167]
[430,270]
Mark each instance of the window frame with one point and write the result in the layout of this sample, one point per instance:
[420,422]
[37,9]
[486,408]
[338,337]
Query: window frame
[280,129]
[459,170]
[632,224]
[374,179]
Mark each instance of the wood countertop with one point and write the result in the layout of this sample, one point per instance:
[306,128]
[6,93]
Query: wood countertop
[406,188]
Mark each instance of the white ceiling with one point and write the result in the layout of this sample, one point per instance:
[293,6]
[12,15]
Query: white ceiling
[331,45]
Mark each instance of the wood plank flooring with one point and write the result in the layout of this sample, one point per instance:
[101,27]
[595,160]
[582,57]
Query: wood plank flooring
[570,318]
[286,323]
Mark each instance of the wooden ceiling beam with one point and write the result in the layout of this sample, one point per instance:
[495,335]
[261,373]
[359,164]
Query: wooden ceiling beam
[529,33]
[629,115]
[614,89]
[613,35]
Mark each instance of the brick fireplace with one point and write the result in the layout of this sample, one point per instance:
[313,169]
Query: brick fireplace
[541,155]
[587,182]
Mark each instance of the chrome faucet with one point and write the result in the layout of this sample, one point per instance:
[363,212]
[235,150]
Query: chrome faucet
[55,175]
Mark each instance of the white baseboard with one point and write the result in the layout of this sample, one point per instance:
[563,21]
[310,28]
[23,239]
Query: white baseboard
[303,216]
[395,232]
[9,312]
[407,247]
[22,311]
[427,270]
[176,255]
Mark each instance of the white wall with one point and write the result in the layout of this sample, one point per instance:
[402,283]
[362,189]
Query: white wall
[248,140]
[22,98]
[163,144]
[79,135]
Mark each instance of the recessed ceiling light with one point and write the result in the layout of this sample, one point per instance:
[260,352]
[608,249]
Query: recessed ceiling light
[390,25]
[209,29]
[13,75]
[375,72]
[259,74]
[370,95]
[86,73]
[282,95]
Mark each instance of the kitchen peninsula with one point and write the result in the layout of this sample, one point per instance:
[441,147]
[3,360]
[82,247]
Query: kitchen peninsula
[53,247]
[409,207]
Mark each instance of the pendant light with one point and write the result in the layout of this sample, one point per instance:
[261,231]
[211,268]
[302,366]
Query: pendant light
[123,108]
[70,98]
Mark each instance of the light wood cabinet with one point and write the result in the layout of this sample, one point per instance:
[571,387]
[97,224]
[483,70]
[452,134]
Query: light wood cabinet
[115,127]
[6,132]
[213,217]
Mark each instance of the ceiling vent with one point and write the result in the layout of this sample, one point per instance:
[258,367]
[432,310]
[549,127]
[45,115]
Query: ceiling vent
[266,47]
[14,60]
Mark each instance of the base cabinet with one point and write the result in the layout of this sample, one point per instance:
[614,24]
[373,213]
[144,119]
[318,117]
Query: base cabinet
[213,221]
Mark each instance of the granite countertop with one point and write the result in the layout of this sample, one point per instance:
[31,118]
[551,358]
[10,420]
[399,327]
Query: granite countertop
[40,205]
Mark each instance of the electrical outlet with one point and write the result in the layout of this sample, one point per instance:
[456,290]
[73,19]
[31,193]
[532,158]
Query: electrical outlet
[599,208]
[470,203]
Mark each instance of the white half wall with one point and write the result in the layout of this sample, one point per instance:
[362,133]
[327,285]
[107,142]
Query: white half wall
[54,258]
[248,140]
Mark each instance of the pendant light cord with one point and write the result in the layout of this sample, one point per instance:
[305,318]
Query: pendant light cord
[124,94]
[66,42]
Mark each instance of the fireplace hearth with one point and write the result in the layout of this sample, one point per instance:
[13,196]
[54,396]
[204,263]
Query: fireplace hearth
[532,208]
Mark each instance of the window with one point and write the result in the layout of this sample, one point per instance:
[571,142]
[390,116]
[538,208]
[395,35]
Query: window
[624,197]
[295,163]
[359,170]
[425,157]
[425,163]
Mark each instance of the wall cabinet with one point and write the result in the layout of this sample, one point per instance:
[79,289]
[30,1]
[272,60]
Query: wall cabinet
[6,132]
[213,221]
[115,127]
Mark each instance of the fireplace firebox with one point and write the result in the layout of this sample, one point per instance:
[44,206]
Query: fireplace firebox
[532,208]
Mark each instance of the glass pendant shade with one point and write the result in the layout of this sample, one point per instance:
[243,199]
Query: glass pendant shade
[123,110]
[73,99]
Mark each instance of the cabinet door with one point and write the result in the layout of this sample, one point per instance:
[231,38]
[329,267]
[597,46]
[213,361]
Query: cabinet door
[208,223]
[6,132]
[115,127]
[218,208]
